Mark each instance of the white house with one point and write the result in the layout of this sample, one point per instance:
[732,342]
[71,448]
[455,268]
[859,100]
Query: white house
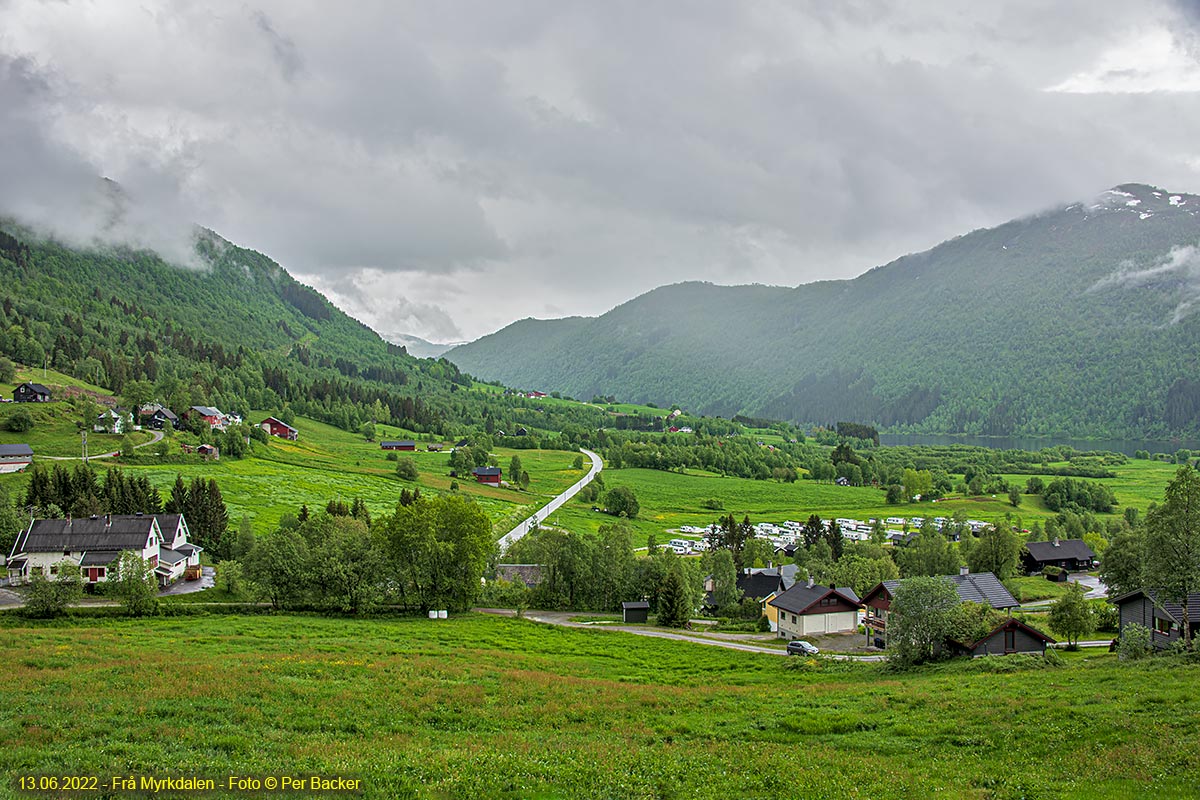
[112,421]
[95,545]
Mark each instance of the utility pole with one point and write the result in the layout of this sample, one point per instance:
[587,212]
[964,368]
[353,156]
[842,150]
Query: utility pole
[85,456]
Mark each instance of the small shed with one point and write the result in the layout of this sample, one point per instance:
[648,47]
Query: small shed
[490,475]
[636,611]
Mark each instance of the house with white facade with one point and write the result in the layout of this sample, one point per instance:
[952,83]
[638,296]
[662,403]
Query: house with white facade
[95,544]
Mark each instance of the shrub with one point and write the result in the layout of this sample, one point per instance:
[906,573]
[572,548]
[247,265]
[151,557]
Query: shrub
[21,421]
[1134,643]
[712,504]
[406,469]
[391,457]
[49,598]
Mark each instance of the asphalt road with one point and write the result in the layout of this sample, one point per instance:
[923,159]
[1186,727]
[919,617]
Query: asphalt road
[545,511]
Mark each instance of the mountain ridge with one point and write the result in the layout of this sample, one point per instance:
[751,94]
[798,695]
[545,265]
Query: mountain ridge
[1001,305]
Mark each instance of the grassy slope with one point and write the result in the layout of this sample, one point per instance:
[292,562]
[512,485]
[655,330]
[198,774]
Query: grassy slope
[489,707]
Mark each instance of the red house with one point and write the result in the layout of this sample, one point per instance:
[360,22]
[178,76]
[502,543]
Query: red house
[213,417]
[487,475]
[404,445]
[279,428]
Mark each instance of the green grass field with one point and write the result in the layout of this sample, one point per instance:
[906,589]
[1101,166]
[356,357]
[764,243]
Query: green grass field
[499,708]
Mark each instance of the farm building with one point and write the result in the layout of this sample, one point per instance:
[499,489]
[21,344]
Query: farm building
[528,574]
[31,393]
[209,451]
[279,428]
[487,475]
[637,611]
[434,448]
[96,544]
[1073,555]
[211,416]
[806,609]
[159,417]
[402,445]
[15,457]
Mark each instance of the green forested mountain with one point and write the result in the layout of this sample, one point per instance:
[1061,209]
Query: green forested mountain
[238,333]
[1078,321]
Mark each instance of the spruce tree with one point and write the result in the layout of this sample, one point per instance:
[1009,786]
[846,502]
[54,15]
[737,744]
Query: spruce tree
[672,602]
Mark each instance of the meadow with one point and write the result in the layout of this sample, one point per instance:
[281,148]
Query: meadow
[493,707]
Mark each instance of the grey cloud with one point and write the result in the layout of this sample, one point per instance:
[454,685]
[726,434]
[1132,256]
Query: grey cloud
[472,162]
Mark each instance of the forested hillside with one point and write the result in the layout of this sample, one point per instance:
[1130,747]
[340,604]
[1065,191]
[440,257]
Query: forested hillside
[1077,321]
[239,333]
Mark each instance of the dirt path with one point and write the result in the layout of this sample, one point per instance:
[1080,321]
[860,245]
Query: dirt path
[155,436]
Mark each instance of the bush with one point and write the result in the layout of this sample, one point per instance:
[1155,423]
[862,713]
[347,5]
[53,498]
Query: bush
[712,504]
[1134,643]
[391,457]
[49,598]
[21,421]
[1105,616]
[406,469]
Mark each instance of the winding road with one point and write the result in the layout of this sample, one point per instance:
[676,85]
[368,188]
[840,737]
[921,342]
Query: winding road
[545,511]
[155,436]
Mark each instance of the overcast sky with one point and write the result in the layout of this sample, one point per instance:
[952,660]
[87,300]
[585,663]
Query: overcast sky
[445,168]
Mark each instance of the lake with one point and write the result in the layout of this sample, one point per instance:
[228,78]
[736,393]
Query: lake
[1126,446]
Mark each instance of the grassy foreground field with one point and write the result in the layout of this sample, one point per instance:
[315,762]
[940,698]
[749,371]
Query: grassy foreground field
[490,707]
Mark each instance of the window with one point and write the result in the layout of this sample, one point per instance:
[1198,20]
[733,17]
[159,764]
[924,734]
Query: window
[1010,640]
[793,617]
[54,569]
[37,570]
[1162,626]
[100,572]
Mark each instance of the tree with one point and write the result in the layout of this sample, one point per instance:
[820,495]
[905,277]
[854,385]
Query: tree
[514,469]
[997,551]
[406,469]
[577,463]
[367,429]
[207,516]
[51,598]
[927,554]
[346,569]
[862,573]
[276,566]
[673,611]
[135,586]
[727,534]
[179,497]
[1014,496]
[1070,615]
[245,541]
[621,500]
[1121,568]
[920,617]
[1171,545]
[726,593]
[8,370]
[231,579]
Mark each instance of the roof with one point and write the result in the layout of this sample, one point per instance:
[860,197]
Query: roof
[635,604]
[16,563]
[528,574]
[1060,549]
[759,583]
[486,471]
[279,422]
[401,443]
[1012,624]
[170,556]
[37,387]
[974,587]
[1170,608]
[15,450]
[166,412]
[126,532]
[99,558]
[207,411]
[802,597]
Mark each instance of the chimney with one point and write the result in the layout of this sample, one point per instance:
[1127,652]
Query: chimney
[964,570]
[1056,542]
[810,581]
[107,520]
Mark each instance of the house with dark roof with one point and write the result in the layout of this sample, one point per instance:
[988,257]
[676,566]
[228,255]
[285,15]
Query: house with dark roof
[757,584]
[211,416]
[490,475]
[31,393]
[528,574]
[112,420]
[95,544]
[1164,618]
[279,428]
[972,587]
[1072,555]
[807,609]
[15,457]
[1010,636]
[406,444]
[157,416]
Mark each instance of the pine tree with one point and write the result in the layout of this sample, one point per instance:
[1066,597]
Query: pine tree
[672,602]
[179,497]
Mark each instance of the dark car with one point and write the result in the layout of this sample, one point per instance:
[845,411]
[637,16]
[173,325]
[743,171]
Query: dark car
[799,647]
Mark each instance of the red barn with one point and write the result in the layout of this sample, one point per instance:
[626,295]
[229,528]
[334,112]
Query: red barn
[279,428]
[405,445]
[487,475]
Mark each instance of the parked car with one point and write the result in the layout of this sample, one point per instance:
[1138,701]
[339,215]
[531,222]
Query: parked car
[800,647]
